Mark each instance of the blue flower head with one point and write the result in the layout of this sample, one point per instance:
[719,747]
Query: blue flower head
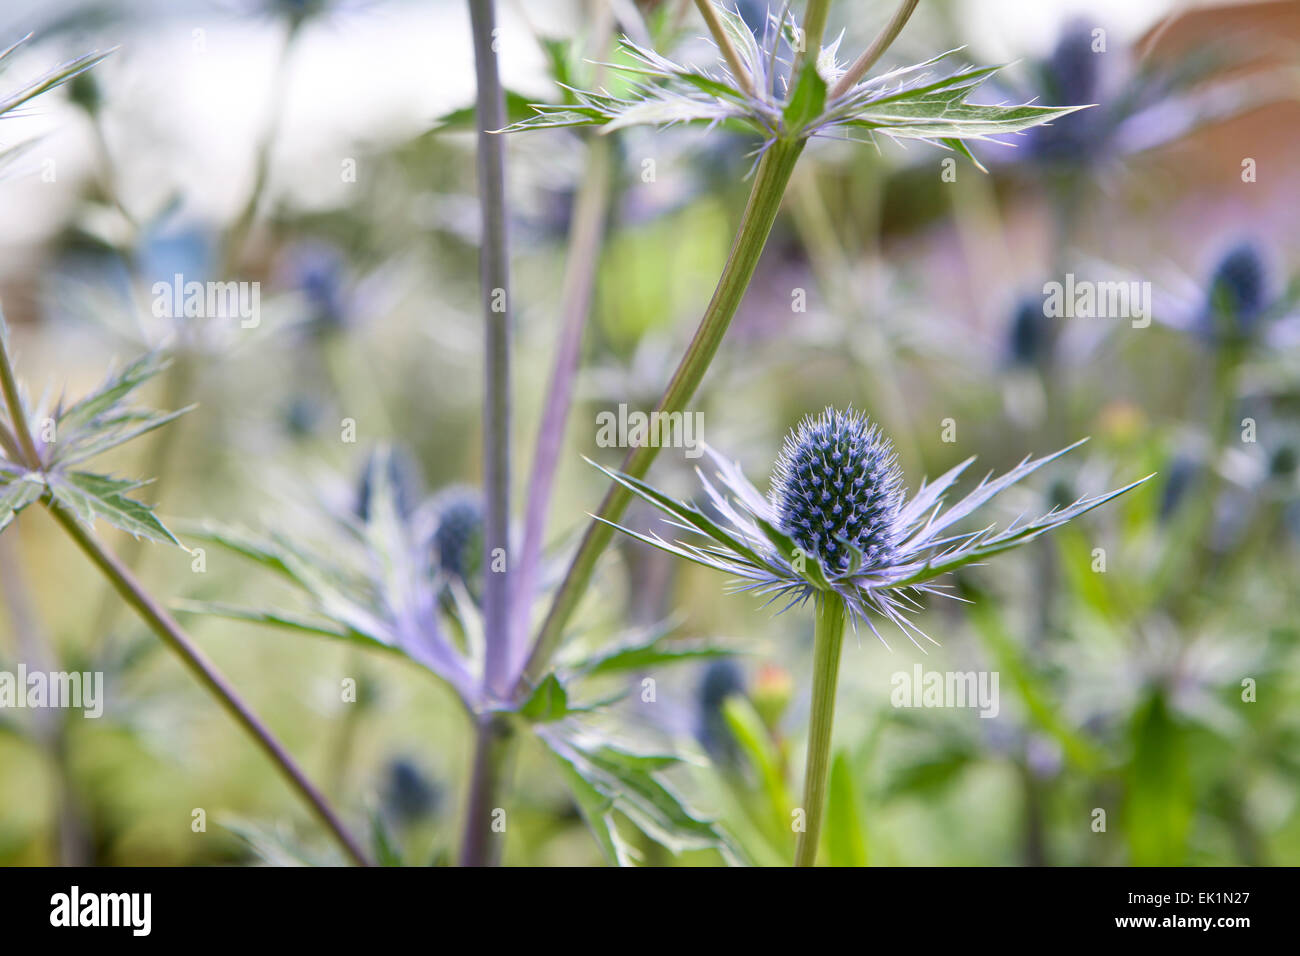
[837,486]
[838,520]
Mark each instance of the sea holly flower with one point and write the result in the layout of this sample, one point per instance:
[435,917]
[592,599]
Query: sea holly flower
[760,86]
[838,527]
[838,521]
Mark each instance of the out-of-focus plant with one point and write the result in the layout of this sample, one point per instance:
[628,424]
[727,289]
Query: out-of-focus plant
[44,454]
[409,583]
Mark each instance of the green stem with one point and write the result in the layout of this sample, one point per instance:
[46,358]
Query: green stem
[871,54]
[826,667]
[764,201]
[725,45]
[814,28]
[165,626]
[482,844]
[17,415]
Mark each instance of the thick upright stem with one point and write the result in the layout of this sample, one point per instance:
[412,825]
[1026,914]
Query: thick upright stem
[495,273]
[165,626]
[483,841]
[826,669]
[764,200]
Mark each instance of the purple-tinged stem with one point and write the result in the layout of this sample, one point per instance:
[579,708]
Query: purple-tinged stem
[495,274]
[479,845]
[575,305]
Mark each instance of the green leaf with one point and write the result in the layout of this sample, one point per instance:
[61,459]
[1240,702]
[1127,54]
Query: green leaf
[549,701]
[692,516]
[844,831]
[942,120]
[930,774]
[958,146]
[53,78]
[274,618]
[387,853]
[597,810]
[91,496]
[465,120]
[643,656]
[757,745]
[114,389]
[807,99]
[17,495]
[629,783]
[1158,806]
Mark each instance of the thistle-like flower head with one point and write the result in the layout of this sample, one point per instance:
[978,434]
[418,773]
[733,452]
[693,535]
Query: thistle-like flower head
[838,519]
[759,83]
[837,486]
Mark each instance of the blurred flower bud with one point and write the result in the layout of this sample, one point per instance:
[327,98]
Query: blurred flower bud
[1282,463]
[318,272]
[458,539]
[1182,473]
[1071,76]
[1237,295]
[722,679]
[408,796]
[773,689]
[1029,338]
[83,90]
[403,476]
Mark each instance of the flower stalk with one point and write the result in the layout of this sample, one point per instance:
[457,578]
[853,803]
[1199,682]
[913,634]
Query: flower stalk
[828,641]
[814,28]
[491,747]
[765,196]
[590,211]
[495,275]
[481,845]
[727,48]
[868,58]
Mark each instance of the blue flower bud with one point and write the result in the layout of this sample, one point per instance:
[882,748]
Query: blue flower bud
[722,679]
[837,484]
[1237,295]
[1029,336]
[458,540]
[408,794]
